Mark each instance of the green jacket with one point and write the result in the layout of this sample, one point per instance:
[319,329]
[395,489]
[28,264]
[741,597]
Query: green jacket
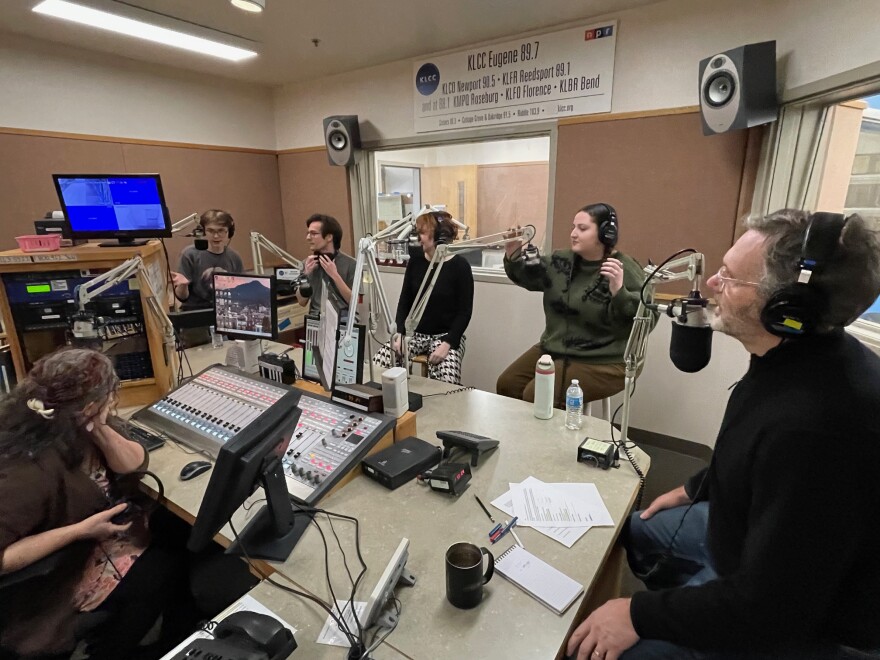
[583,320]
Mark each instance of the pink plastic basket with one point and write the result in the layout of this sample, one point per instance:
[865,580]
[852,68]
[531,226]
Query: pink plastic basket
[37,243]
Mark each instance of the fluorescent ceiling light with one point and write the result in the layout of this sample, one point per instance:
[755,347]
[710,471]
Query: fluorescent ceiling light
[131,27]
[255,6]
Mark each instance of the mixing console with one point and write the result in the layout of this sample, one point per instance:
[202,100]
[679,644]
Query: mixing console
[209,410]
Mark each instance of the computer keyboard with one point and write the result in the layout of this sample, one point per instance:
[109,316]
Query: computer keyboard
[147,440]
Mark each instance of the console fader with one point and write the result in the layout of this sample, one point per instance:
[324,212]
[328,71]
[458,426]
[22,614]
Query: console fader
[209,410]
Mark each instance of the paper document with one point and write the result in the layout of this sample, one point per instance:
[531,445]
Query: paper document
[537,503]
[245,603]
[331,634]
[586,493]
[327,328]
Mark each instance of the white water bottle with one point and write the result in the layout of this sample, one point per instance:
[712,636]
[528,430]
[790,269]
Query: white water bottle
[574,405]
[545,384]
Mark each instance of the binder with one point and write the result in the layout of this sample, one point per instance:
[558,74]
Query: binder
[539,579]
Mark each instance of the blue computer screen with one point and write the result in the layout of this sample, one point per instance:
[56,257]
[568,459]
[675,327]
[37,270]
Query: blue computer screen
[112,203]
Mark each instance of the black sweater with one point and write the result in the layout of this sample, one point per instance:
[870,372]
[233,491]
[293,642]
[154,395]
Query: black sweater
[449,308]
[792,505]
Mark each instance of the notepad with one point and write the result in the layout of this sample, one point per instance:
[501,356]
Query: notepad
[538,578]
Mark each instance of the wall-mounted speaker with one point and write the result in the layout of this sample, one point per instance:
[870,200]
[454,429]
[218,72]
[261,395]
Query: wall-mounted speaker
[342,136]
[738,88]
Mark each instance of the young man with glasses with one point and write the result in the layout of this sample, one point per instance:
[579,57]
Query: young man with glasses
[771,551]
[194,284]
[326,264]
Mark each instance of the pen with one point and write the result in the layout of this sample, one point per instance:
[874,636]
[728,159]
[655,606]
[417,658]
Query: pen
[483,507]
[517,538]
[495,530]
[509,526]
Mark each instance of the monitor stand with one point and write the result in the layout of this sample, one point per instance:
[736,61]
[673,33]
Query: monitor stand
[277,528]
[125,242]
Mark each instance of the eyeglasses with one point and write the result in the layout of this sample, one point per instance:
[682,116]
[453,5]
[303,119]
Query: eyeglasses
[217,232]
[313,233]
[722,275]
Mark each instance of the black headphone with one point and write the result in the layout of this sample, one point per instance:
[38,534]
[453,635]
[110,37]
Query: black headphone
[608,227]
[443,228]
[797,308]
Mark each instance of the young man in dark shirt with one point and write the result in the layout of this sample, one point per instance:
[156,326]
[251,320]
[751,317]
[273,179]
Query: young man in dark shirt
[326,265]
[770,552]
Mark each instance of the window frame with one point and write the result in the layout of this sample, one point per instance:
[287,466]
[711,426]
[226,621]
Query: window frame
[793,150]
[363,184]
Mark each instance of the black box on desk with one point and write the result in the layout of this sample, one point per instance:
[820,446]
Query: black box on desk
[401,462]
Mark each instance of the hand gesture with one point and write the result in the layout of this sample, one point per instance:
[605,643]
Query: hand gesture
[311,263]
[99,527]
[439,354]
[329,266]
[612,270]
[669,500]
[178,279]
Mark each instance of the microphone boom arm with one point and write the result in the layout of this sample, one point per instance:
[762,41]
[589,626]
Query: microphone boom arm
[259,241]
[688,268]
[439,259]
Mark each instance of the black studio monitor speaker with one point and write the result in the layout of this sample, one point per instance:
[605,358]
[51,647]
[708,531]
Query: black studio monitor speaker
[738,88]
[342,137]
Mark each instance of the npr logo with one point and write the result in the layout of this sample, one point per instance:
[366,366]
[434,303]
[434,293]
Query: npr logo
[598,33]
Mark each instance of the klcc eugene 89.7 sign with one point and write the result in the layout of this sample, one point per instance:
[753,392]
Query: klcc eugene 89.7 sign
[560,74]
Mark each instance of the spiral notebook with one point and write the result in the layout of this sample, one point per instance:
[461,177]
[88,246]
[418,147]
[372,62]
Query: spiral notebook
[538,578]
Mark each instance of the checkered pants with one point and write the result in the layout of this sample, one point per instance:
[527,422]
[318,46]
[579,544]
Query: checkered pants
[449,371]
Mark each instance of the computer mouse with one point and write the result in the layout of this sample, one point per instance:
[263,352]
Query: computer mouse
[257,631]
[194,469]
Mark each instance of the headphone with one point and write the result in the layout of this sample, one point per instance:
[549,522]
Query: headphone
[797,308]
[608,227]
[442,231]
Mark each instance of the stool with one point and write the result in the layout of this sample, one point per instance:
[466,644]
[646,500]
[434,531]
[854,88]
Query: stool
[606,408]
[423,361]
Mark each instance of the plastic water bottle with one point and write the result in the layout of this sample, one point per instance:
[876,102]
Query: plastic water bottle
[545,386]
[574,405]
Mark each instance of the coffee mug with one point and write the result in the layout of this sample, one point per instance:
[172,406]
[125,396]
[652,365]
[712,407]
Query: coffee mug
[464,574]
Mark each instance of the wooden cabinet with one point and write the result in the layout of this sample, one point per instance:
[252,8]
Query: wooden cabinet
[50,271]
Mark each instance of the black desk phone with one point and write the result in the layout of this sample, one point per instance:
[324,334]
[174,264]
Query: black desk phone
[243,636]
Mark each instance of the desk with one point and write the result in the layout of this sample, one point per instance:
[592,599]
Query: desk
[429,625]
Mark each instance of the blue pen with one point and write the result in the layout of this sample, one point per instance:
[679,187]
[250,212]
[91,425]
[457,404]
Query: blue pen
[495,529]
[505,530]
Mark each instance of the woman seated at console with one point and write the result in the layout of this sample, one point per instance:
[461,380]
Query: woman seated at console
[440,333]
[591,294]
[61,469]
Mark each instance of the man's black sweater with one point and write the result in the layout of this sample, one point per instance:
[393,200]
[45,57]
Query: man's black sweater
[792,503]
[449,308]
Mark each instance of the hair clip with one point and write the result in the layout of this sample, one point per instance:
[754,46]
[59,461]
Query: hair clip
[39,407]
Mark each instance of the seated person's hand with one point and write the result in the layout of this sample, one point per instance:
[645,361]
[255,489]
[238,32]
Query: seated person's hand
[99,527]
[396,342]
[439,354]
[178,279]
[311,263]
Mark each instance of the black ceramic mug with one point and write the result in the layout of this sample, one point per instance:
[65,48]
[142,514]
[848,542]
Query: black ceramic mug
[464,574]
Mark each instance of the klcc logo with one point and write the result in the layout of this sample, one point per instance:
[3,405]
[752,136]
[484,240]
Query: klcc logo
[427,79]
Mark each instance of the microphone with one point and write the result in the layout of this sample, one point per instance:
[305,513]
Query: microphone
[690,346]
[198,233]
[530,256]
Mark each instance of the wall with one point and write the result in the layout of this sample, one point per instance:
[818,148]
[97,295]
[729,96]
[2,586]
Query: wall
[658,50]
[57,88]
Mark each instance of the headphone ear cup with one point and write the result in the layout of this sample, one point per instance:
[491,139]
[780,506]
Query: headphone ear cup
[232,229]
[608,233]
[793,311]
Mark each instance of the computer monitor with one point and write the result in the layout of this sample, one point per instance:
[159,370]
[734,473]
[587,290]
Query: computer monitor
[250,459]
[121,206]
[245,306]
